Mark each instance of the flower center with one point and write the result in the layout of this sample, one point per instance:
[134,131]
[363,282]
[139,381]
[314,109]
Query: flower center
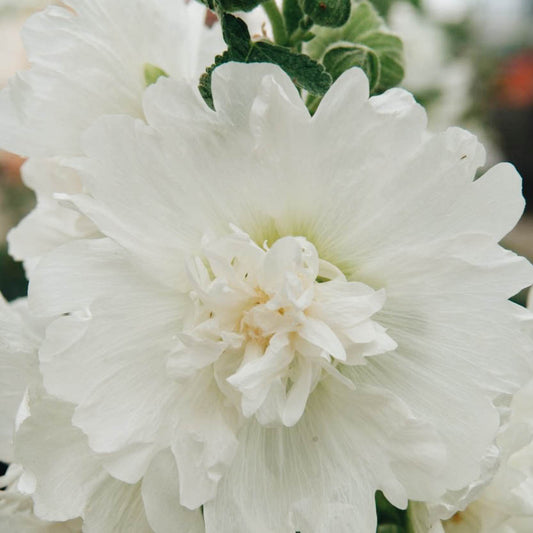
[274,322]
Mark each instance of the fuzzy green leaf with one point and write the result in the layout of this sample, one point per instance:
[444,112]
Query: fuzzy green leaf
[236,36]
[304,71]
[364,29]
[205,81]
[337,60]
[389,49]
[332,13]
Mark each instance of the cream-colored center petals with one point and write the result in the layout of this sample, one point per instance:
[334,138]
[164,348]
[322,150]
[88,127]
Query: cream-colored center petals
[281,318]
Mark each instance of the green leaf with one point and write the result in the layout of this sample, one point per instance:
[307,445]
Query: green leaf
[364,29]
[304,71]
[205,81]
[236,36]
[389,49]
[293,14]
[152,73]
[337,60]
[333,13]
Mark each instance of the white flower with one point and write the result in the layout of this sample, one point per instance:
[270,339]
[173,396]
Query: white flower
[303,310]
[88,59]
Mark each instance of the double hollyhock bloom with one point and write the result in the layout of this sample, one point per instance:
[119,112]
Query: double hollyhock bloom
[246,319]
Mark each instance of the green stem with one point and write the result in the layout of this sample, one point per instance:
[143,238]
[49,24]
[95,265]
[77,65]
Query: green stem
[297,36]
[276,21]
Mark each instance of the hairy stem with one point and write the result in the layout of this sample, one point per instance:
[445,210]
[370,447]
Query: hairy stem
[276,21]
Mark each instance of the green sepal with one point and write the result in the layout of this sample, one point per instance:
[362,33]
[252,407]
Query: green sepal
[152,73]
[364,29]
[304,71]
[332,13]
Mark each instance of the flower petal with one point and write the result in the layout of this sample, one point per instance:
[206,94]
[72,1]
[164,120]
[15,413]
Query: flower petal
[327,466]
[160,494]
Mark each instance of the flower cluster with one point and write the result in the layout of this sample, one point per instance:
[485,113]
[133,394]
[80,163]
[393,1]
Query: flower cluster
[247,317]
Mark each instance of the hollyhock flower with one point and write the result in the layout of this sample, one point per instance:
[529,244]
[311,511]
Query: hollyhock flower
[55,477]
[296,310]
[89,59]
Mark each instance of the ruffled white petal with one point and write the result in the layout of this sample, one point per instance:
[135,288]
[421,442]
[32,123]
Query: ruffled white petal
[160,494]
[323,472]
[57,454]
[204,442]
[50,224]
[20,337]
[116,508]
[121,385]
